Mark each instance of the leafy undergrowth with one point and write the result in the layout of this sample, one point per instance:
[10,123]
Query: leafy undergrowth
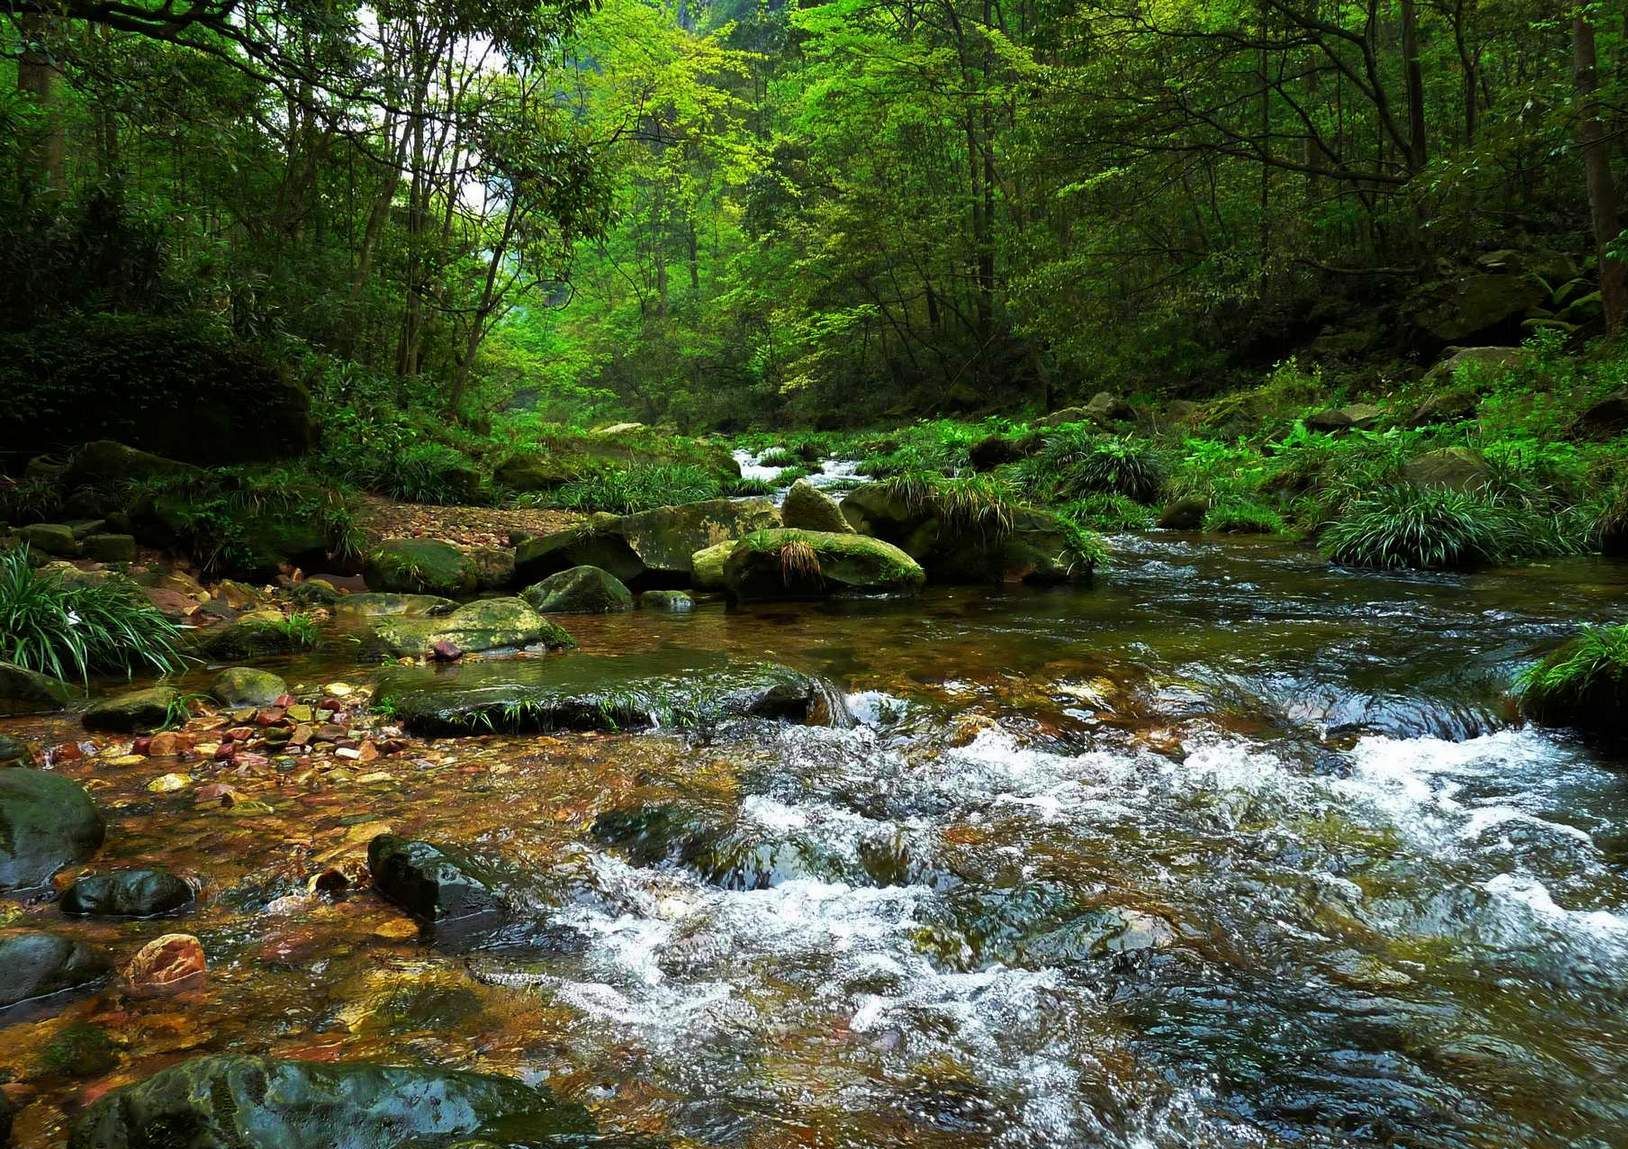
[76,629]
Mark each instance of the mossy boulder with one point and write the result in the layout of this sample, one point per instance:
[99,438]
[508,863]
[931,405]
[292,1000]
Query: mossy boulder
[1449,468]
[109,548]
[579,590]
[1480,306]
[1583,684]
[671,601]
[422,566]
[670,687]
[652,548]
[254,635]
[55,539]
[14,752]
[46,822]
[236,1102]
[247,686]
[483,625]
[1029,545]
[105,463]
[1186,514]
[144,893]
[134,711]
[707,566]
[378,604]
[37,964]
[246,526]
[808,508]
[791,564]
[24,691]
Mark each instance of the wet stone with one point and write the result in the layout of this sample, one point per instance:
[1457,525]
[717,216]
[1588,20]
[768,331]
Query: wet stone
[46,822]
[127,893]
[36,964]
[134,711]
[246,686]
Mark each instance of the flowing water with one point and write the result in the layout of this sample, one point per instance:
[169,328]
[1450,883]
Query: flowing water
[1230,850]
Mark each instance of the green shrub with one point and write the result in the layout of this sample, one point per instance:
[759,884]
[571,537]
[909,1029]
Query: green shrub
[626,490]
[1405,527]
[971,502]
[1073,463]
[29,500]
[1109,513]
[1240,517]
[75,629]
[1583,683]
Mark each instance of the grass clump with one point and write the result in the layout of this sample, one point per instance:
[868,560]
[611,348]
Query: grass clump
[1584,683]
[1109,513]
[780,457]
[1243,517]
[740,488]
[984,503]
[641,487]
[1073,463]
[76,629]
[1405,527]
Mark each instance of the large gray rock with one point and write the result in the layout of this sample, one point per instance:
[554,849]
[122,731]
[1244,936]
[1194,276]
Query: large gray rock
[24,691]
[1477,306]
[36,964]
[46,822]
[652,548]
[579,590]
[1450,468]
[669,688]
[232,1102]
[440,886]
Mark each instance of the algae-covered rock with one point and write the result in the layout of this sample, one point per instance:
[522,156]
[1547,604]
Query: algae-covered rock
[810,509]
[24,691]
[14,752]
[560,460]
[109,548]
[1186,514]
[1478,306]
[437,885]
[134,711]
[486,624]
[421,566]
[652,548]
[234,1102]
[671,687]
[671,601]
[46,822]
[104,463]
[246,686]
[50,539]
[789,564]
[255,635]
[1450,468]
[707,566]
[381,605]
[579,590]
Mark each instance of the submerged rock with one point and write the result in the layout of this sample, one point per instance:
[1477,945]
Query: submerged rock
[673,601]
[579,590]
[231,1102]
[166,961]
[487,624]
[36,964]
[24,691]
[791,564]
[134,711]
[652,548]
[46,822]
[810,509]
[127,894]
[596,692]
[246,686]
[437,885]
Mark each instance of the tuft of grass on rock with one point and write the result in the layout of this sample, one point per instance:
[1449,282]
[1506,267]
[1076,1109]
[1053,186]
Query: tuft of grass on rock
[1405,527]
[1243,517]
[642,487]
[1582,684]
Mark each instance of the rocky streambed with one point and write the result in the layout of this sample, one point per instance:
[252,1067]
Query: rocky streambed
[1231,849]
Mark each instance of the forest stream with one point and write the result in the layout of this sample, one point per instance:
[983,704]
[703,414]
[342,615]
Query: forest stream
[1233,848]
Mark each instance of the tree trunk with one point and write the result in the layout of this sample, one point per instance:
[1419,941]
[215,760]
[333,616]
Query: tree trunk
[1418,152]
[36,77]
[1602,195]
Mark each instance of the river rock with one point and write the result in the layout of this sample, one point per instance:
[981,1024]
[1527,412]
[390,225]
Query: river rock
[234,1102]
[486,624]
[255,635]
[789,564]
[46,822]
[24,691]
[421,566]
[652,548]
[14,752]
[134,711]
[1184,514]
[106,463]
[439,886]
[579,590]
[1450,468]
[810,509]
[109,548]
[672,601]
[707,566]
[165,962]
[384,605]
[246,686]
[36,964]
[55,539]
[127,894]
[669,687]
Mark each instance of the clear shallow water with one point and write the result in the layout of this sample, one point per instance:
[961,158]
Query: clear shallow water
[1231,850]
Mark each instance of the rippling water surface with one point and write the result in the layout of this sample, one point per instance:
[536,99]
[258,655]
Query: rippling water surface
[1231,850]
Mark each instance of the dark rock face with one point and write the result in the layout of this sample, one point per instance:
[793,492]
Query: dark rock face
[579,590]
[36,964]
[229,1102]
[133,711]
[440,886]
[1184,514]
[672,687]
[1604,420]
[125,377]
[24,691]
[46,822]
[127,894]
[1482,306]
[14,752]
[997,451]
